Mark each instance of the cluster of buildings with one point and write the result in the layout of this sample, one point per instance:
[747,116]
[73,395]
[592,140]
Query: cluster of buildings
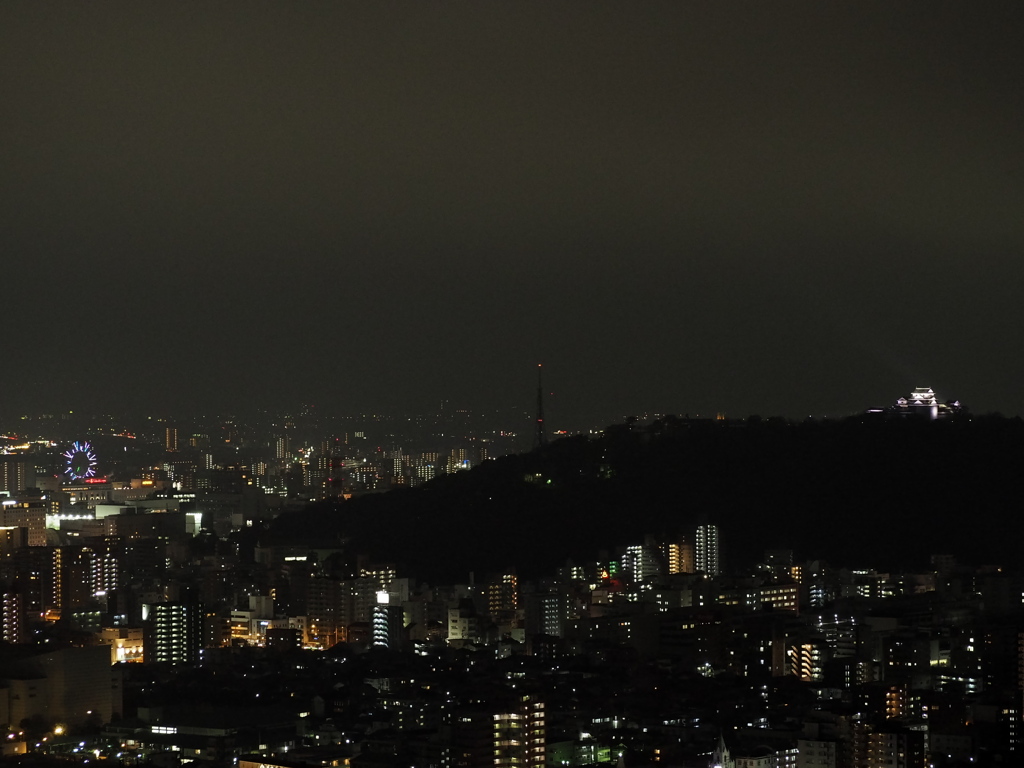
[150,618]
[641,657]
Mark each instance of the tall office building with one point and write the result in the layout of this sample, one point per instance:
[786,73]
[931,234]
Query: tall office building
[706,550]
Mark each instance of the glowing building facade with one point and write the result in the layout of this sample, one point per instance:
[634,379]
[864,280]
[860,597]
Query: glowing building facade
[172,632]
[924,403]
[520,734]
[388,623]
[706,550]
[679,556]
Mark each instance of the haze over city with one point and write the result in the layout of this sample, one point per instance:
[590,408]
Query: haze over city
[511,385]
[782,209]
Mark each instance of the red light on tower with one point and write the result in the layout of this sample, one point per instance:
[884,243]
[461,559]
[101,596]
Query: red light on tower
[540,439]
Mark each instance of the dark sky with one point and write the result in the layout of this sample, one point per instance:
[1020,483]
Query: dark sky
[749,207]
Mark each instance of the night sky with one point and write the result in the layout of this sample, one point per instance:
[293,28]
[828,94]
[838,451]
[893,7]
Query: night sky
[748,207]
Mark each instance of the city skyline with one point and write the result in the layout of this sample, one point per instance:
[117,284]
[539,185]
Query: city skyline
[517,418]
[686,208]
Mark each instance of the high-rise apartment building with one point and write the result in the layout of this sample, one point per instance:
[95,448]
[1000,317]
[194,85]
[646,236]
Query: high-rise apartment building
[16,474]
[706,550]
[503,594]
[173,632]
[679,556]
[807,657]
[520,734]
[282,447]
[642,562]
[388,623]
[548,611]
[12,615]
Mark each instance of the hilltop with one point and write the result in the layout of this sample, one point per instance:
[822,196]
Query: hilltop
[857,492]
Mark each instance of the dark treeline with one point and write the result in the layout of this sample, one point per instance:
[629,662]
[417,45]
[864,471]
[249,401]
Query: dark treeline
[883,493]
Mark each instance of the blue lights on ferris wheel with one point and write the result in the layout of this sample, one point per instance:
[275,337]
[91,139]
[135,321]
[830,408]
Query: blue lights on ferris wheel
[81,461]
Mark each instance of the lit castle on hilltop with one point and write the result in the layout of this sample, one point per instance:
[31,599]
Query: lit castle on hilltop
[924,402]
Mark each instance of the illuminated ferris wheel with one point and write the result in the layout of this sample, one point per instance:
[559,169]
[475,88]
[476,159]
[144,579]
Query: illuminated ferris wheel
[80,461]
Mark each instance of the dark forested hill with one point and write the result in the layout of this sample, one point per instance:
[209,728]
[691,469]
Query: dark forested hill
[861,493]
